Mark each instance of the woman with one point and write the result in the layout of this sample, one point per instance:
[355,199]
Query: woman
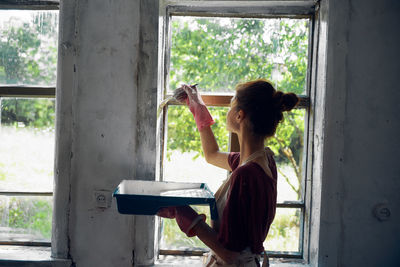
[246,201]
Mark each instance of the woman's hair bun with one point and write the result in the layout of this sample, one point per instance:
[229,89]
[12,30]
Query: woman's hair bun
[289,101]
[264,105]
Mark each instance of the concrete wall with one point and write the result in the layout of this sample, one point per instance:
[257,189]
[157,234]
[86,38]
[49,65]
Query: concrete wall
[104,129]
[100,86]
[361,164]
[103,73]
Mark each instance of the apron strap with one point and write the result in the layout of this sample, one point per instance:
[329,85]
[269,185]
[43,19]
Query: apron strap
[265,260]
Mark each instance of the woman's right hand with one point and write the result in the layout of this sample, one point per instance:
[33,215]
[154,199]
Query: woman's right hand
[196,105]
[193,95]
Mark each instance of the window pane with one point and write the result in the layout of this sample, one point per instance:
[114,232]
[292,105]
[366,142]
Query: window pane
[28,47]
[25,218]
[27,144]
[184,160]
[173,238]
[288,147]
[217,53]
[284,233]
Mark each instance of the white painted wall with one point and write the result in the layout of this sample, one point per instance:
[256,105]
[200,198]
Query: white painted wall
[97,127]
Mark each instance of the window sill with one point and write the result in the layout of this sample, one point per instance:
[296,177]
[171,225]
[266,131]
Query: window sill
[30,256]
[182,261]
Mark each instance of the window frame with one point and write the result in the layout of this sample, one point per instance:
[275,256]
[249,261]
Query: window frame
[23,91]
[246,9]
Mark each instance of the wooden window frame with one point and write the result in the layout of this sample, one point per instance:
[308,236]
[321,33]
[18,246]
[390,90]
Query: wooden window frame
[246,9]
[22,91]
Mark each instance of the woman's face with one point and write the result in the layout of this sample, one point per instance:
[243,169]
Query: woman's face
[231,123]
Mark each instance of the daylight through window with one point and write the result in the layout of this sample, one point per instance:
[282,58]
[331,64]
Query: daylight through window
[217,53]
[28,62]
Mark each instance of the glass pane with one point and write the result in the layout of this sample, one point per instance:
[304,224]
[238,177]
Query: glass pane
[284,233]
[288,147]
[25,218]
[184,160]
[27,144]
[28,47]
[218,53]
[173,238]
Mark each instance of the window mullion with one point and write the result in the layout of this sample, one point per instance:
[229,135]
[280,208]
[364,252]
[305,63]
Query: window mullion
[31,5]
[18,193]
[27,91]
[198,252]
[25,243]
[223,100]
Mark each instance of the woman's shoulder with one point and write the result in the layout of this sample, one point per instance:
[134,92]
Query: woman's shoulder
[251,172]
[233,160]
[249,169]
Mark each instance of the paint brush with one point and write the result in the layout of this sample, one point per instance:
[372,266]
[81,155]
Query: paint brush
[179,95]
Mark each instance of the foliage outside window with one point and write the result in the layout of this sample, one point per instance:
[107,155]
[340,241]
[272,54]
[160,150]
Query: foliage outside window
[218,53]
[28,57]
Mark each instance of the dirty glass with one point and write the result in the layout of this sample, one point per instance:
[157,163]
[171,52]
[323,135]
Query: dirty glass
[28,47]
[173,238]
[288,147]
[25,219]
[184,162]
[27,144]
[218,53]
[284,233]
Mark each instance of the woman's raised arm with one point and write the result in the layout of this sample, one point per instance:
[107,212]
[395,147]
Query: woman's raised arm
[211,149]
[204,121]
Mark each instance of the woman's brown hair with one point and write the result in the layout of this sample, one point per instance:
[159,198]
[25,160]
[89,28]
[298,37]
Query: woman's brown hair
[264,105]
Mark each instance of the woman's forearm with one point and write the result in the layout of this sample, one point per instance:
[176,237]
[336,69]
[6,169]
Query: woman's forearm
[208,142]
[211,149]
[209,237]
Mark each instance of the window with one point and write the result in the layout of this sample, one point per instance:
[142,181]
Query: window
[28,60]
[217,47]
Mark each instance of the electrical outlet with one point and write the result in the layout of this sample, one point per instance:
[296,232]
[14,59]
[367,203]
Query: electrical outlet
[102,198]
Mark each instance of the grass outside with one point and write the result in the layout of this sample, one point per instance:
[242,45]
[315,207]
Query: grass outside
[26,165]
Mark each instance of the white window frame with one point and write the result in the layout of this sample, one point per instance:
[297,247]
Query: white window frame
[256,9]
[28,92]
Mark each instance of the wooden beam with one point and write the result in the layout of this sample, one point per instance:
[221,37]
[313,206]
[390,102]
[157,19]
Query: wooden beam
[223,100]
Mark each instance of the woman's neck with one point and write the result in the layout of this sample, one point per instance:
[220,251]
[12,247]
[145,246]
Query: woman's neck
[248,145]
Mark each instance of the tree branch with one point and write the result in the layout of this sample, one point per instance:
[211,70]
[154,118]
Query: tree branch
[288,181]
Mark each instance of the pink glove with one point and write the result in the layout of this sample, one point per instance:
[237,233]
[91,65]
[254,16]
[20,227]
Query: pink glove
[196,105]
[187,218]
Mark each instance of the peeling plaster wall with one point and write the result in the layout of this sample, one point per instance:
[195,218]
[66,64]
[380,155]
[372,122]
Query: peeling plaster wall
[98,88]
[104,139]
[97,109]
[361,163]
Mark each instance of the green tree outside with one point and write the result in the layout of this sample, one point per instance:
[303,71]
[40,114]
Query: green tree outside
[219,54]
[28,56]
[215,55]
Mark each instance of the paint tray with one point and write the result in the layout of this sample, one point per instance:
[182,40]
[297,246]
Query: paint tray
[147,197]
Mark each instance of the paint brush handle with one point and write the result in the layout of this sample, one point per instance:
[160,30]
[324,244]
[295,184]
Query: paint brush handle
[180,94]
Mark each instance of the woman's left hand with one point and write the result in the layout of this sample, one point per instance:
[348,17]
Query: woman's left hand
[167,212]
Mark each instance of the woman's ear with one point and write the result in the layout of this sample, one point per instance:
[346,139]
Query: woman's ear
[240,115]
